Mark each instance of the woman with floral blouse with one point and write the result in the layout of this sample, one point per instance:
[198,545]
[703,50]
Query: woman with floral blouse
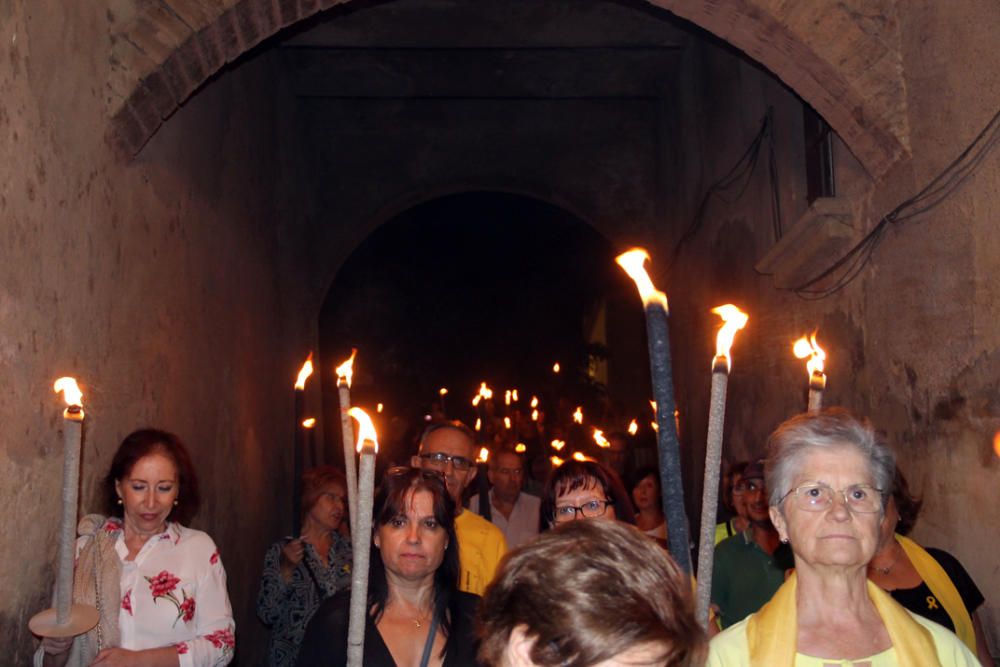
[300,573]
[160,587]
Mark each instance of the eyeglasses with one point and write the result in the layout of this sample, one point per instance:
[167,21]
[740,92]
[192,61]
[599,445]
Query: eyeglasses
[440,460]
[859,498]
[591,510]
[407,471]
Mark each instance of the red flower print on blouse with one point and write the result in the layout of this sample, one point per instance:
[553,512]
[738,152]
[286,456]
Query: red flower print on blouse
[222,638]
[182,648]
[163,584]
[214,558]
[112,525]
[186,609]
[127,602]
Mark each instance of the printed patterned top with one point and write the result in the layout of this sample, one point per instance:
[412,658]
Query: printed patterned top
[287,607]
[174,593]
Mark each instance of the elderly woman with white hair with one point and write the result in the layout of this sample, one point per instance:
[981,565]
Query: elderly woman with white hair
[828,477]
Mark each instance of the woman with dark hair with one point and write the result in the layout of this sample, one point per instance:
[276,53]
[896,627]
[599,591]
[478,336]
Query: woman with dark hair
[159,587]
[649,503]
[587,594]
[584,490]
[300,573]
[929,582]
[416,614]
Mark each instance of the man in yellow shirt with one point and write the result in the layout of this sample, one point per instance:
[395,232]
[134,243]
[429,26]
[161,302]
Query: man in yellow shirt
[449,448]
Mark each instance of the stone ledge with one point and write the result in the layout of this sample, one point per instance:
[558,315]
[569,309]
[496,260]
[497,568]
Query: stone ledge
[817,239]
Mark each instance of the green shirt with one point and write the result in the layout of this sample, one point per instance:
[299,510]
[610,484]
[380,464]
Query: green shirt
[745,576]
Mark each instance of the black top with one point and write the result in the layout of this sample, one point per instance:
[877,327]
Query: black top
[325,643]
[921,601]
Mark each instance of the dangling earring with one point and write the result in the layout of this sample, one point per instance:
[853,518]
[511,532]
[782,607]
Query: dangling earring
[175,503]
[119,501]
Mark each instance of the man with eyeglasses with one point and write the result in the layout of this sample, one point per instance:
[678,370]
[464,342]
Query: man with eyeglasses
[513,512]
[749,566]
[449,448]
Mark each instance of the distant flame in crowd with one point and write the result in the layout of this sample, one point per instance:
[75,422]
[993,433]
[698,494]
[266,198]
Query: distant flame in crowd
[520,448]
[476,399]
[633,427]
[345,371]
[558,445]
[479,424]
[443,391]
[506,397]
[600,439]
[305,372]
[506,422]
[484,455]
[378,408]
[632,261]
[556,367]
[513,394]
[534,415]
[534,401]
[366,429]
[309,423]
[556,461]
[485,391]
[578,415]
[579,456]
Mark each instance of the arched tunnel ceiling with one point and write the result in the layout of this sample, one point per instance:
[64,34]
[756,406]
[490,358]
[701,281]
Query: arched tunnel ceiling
[841,57]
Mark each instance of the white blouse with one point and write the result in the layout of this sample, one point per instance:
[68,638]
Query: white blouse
[174,594]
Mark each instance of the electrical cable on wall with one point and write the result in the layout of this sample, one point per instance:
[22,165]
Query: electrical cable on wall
[849,267]
[740,175]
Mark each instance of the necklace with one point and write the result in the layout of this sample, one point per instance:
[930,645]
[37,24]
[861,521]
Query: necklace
[885,570]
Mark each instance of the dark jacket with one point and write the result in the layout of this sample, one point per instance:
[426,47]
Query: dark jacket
[325,643]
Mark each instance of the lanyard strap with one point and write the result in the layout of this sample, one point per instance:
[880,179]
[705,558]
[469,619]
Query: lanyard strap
[429,643]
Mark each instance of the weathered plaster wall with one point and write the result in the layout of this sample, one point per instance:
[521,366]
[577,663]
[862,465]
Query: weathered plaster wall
[155,283]
[911,343]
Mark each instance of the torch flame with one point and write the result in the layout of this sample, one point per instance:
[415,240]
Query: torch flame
[558,445]
[485,391]
[484,455]
[556,367]
[345,371]
[309,423]
[476,399]
[479,424]
[366,429]
[534,415]
[632,261]
[70,391]
[513,394]
[506,398]
[534,401]
[579,456]
[304,372]
[578,415]
[506,422]
[633,427]
[556,461]
[600,439]
[443,391]
[379,407]
[733,320]
[807,347]
[652,404]
[520,448]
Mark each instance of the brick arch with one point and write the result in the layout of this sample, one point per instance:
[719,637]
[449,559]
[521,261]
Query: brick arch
[840,57]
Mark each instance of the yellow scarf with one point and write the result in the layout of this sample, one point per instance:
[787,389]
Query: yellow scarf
[942,588]
[772,631]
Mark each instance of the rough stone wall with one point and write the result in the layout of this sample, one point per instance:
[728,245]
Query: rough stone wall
[155,283]
[911,342]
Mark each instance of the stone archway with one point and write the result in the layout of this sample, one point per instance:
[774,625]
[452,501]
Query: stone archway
[841,58]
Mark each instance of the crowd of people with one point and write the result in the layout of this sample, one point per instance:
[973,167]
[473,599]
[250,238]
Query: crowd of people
[813,565]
